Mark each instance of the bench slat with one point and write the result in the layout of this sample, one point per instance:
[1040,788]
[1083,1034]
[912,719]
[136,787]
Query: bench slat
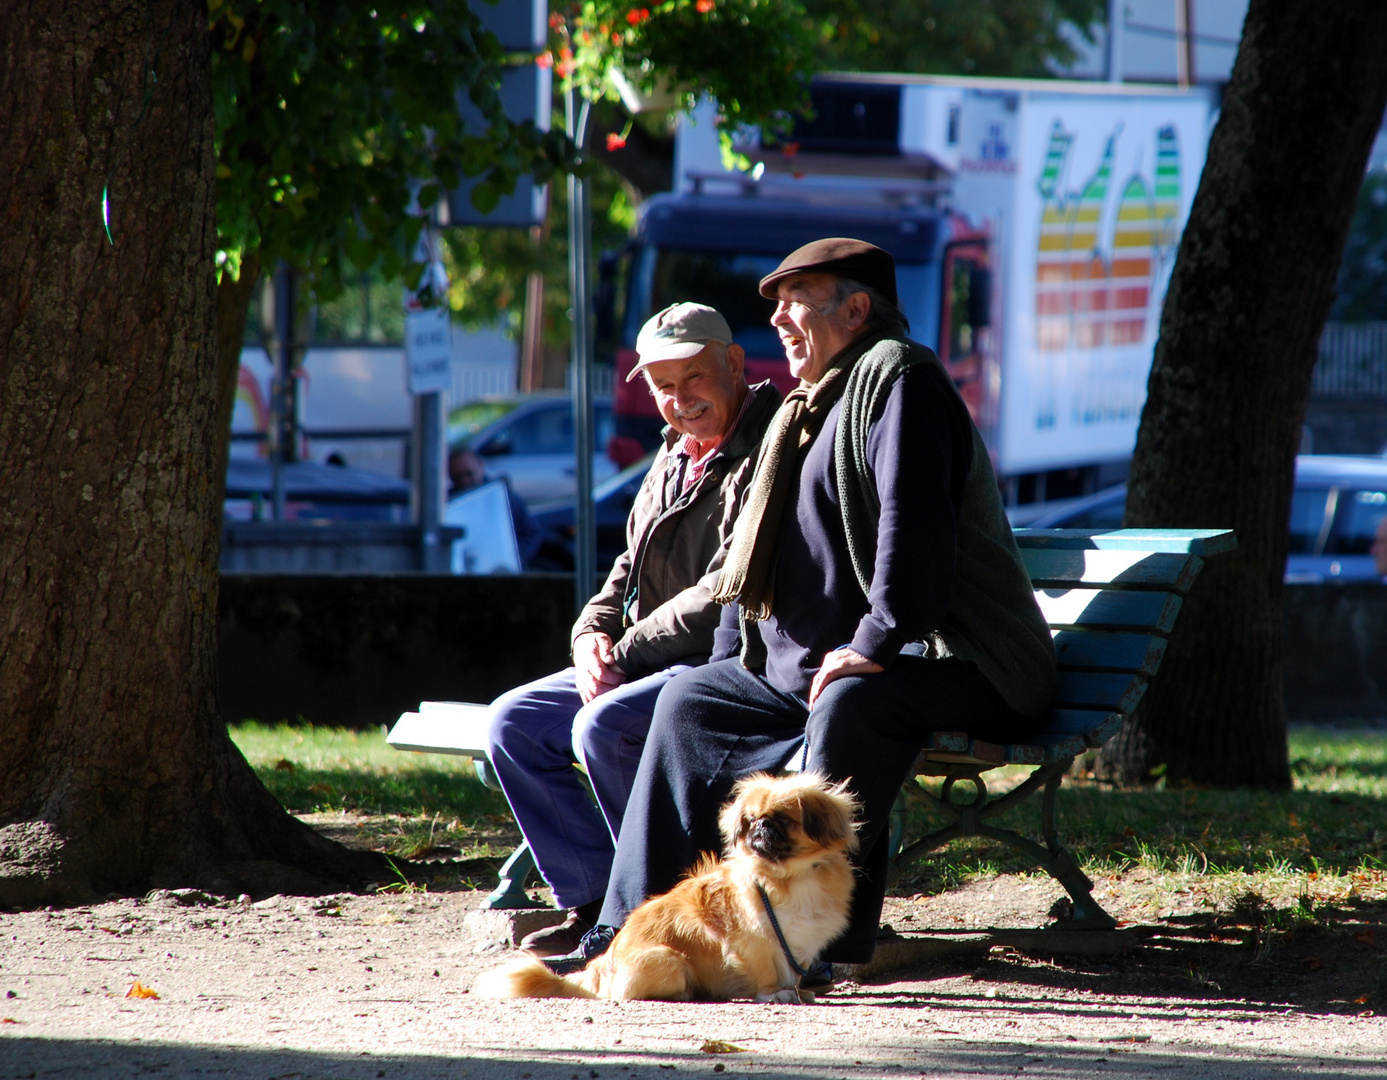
[442,727]
[1100,607]
[1064,567]
[1099,690]
[1079,721]
[1202,542]
[1099,650]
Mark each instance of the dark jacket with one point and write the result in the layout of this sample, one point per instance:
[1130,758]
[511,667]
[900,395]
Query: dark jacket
[899,538]
[657,604]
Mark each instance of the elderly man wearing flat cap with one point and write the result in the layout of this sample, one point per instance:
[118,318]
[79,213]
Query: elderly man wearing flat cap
[654,617]
[875,594]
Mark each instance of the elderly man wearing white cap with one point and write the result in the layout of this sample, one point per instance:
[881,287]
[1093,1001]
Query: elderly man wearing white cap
[654,617]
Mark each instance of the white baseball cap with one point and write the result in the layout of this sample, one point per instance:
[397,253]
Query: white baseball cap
[678,332]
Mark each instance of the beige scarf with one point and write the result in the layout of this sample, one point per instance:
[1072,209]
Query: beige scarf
[748,574]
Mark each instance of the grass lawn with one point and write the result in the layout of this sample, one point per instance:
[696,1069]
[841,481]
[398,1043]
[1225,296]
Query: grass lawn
[1324,841]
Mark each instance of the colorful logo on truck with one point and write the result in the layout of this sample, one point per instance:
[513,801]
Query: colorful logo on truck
[1095,272]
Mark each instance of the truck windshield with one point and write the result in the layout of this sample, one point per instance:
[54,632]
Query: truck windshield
[729,281]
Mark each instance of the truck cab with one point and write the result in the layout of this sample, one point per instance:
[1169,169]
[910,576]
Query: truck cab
[714,249]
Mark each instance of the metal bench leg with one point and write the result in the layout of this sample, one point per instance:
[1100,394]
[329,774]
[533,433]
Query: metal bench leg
[510,894]
[967,819]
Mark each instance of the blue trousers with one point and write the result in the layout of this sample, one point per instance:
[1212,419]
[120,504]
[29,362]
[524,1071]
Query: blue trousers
[717,723]
[537,733]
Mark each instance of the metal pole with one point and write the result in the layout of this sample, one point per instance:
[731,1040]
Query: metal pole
[580,299]
[284,390]
[433,555]
[1116,17]
[1184,43]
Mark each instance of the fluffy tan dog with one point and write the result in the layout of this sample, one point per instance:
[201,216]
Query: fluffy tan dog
[710,938]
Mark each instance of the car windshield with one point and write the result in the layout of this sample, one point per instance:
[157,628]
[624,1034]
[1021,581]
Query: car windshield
[1359,514]
[466,420]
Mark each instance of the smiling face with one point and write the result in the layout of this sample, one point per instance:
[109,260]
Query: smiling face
[702,394]
[812,325]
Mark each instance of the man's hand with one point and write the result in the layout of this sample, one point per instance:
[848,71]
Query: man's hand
[597,670]
[840,662]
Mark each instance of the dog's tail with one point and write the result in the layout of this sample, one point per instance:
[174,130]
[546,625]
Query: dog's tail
[525,976]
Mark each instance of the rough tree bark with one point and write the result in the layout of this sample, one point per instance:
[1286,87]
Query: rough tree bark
[116,772]
[1230,381]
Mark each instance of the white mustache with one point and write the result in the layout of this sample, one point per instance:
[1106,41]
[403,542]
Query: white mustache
[693,412]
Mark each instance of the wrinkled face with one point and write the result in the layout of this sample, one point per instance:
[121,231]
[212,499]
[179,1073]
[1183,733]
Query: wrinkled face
[1379,548]
[701,395]
[813,327]
[778,819]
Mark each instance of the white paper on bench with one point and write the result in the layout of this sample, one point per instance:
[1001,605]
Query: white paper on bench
[442,727]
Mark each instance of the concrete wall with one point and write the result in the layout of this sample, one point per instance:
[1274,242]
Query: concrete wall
[359,651]
[1336,651]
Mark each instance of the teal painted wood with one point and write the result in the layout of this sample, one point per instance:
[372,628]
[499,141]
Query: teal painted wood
[1098,650]
[1203,542]
[1098,690]
[1078,721]
[1098,608]
[1065,567]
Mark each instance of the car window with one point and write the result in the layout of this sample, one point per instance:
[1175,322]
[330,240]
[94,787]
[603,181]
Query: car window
[1308,508]
[546,430]
[466,420]
[603,427]
[1359,513]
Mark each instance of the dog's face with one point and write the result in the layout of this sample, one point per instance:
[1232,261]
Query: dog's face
[781,819]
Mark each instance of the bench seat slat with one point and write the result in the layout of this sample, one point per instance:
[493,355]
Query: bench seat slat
[1064,567]
[442,727]
[1117,691]
[1202,542]
[1096,650]
[1107,608]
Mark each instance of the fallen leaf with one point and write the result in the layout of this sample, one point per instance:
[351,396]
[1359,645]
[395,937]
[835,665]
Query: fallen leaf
[284,765]
[1313,963]
[139,990]
[717,1046]
[8,1020]
[1368,938]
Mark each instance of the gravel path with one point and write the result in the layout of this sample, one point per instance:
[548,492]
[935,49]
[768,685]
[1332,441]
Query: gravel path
[377,986]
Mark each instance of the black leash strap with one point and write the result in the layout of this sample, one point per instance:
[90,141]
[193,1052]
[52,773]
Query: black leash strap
[780,936]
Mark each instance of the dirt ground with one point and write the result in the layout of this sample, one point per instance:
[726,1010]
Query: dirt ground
[346,987]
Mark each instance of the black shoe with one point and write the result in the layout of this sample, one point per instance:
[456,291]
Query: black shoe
[818,979]
[560,940]
[595,942]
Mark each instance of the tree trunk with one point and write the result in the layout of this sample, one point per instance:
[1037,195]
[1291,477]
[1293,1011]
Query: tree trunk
[1231,376]
[116,773]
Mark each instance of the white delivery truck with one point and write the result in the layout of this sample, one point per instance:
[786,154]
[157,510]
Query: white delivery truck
[1034,225]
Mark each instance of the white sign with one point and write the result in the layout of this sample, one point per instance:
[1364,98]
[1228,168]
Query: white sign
[429,350]
[488,546]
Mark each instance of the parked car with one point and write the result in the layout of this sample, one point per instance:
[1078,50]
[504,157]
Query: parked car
[612,501]
[1335,508]
[528,440]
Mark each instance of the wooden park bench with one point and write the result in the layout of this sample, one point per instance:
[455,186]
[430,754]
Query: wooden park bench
[1111,599]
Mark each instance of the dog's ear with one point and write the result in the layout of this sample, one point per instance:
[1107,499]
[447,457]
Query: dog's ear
[826,820]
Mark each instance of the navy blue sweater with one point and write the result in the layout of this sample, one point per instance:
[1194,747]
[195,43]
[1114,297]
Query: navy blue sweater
[920,451]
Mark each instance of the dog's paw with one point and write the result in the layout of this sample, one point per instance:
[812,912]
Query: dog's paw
[781,997]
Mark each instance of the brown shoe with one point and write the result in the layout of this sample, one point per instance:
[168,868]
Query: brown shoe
[557,940]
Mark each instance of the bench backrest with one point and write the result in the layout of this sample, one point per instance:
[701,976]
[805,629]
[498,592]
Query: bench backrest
[1111,599]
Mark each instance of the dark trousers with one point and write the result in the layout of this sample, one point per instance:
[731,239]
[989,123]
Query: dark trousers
[717,723]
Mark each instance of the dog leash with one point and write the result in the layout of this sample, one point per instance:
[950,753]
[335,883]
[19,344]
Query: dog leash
[780,936]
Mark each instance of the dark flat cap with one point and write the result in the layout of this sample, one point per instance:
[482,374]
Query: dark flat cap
[858,260]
